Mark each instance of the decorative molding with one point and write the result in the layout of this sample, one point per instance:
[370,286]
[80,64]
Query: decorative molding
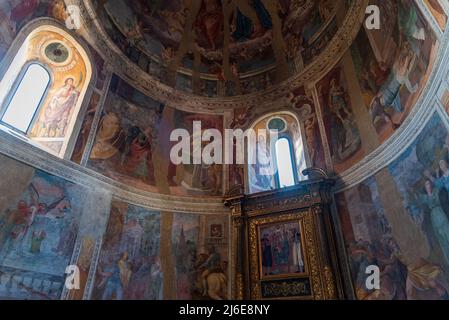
[24,152]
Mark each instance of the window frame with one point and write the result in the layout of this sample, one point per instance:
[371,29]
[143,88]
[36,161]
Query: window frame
[13,91]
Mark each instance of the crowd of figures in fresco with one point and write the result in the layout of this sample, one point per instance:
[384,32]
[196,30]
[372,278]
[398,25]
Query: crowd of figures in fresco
[144,30]
[415,267]
[130,264]
[43,217]
[200,257]
[39,222]
[133,139]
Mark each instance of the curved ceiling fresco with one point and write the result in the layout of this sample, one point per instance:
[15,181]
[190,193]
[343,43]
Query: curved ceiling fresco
[219,48]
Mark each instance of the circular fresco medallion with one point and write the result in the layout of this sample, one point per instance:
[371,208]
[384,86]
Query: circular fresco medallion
[57,52]
[278,124]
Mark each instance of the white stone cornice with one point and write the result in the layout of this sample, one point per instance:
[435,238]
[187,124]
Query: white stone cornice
[24,152]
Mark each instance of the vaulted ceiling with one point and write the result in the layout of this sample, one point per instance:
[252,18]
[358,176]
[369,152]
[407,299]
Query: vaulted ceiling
[220,48]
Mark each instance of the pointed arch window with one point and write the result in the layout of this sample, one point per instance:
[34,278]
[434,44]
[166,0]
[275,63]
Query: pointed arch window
[27,96]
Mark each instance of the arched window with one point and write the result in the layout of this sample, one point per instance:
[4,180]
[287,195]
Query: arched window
[284,163]
[27,97]
[275,160]
[43,83]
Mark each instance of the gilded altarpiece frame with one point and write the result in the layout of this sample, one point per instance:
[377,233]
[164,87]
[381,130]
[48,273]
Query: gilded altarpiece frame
[304,208]
[315,282]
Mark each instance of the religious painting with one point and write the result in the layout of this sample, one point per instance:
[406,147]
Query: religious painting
[153,32]
[56,116]
[70,75]
[193,179]
[129,266]
[124,145]
[312,135]
[14,14]
[317,43]
[257,83]
[341,127]
[438,13]
[200,250]
[408,242]
[394,67]
[86,127]
[40,216]
[281,249]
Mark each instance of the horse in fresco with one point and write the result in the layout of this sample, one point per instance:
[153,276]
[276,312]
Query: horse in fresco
[211,280]
[217,285]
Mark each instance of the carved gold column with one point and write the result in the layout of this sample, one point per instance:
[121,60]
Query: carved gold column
[237,263]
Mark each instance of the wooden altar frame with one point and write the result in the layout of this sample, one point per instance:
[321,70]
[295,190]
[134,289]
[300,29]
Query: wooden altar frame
[308,202]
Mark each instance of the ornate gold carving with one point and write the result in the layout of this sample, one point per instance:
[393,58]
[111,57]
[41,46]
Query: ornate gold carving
[329,283]
[287,289]
[314,269]
[239,295]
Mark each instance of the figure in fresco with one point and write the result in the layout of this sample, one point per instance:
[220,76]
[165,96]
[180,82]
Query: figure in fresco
[408,20]
[393,271]
[262,170]
[361,258]
[56,116]
[25,229]
[137,156]
[110,138]
[298,261]
[129,264]
[344,133]
[36,241]
[311,138]
[212,277]
[438,218]
[156,279]
[389,95]
[125,270]
[267,258]
[210,21]
[281,246]
[139,282]
[111,281]
[68,234]
[132,238]
[441,180]
[243,28]
[175,21]
[23,9]
[337,101]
